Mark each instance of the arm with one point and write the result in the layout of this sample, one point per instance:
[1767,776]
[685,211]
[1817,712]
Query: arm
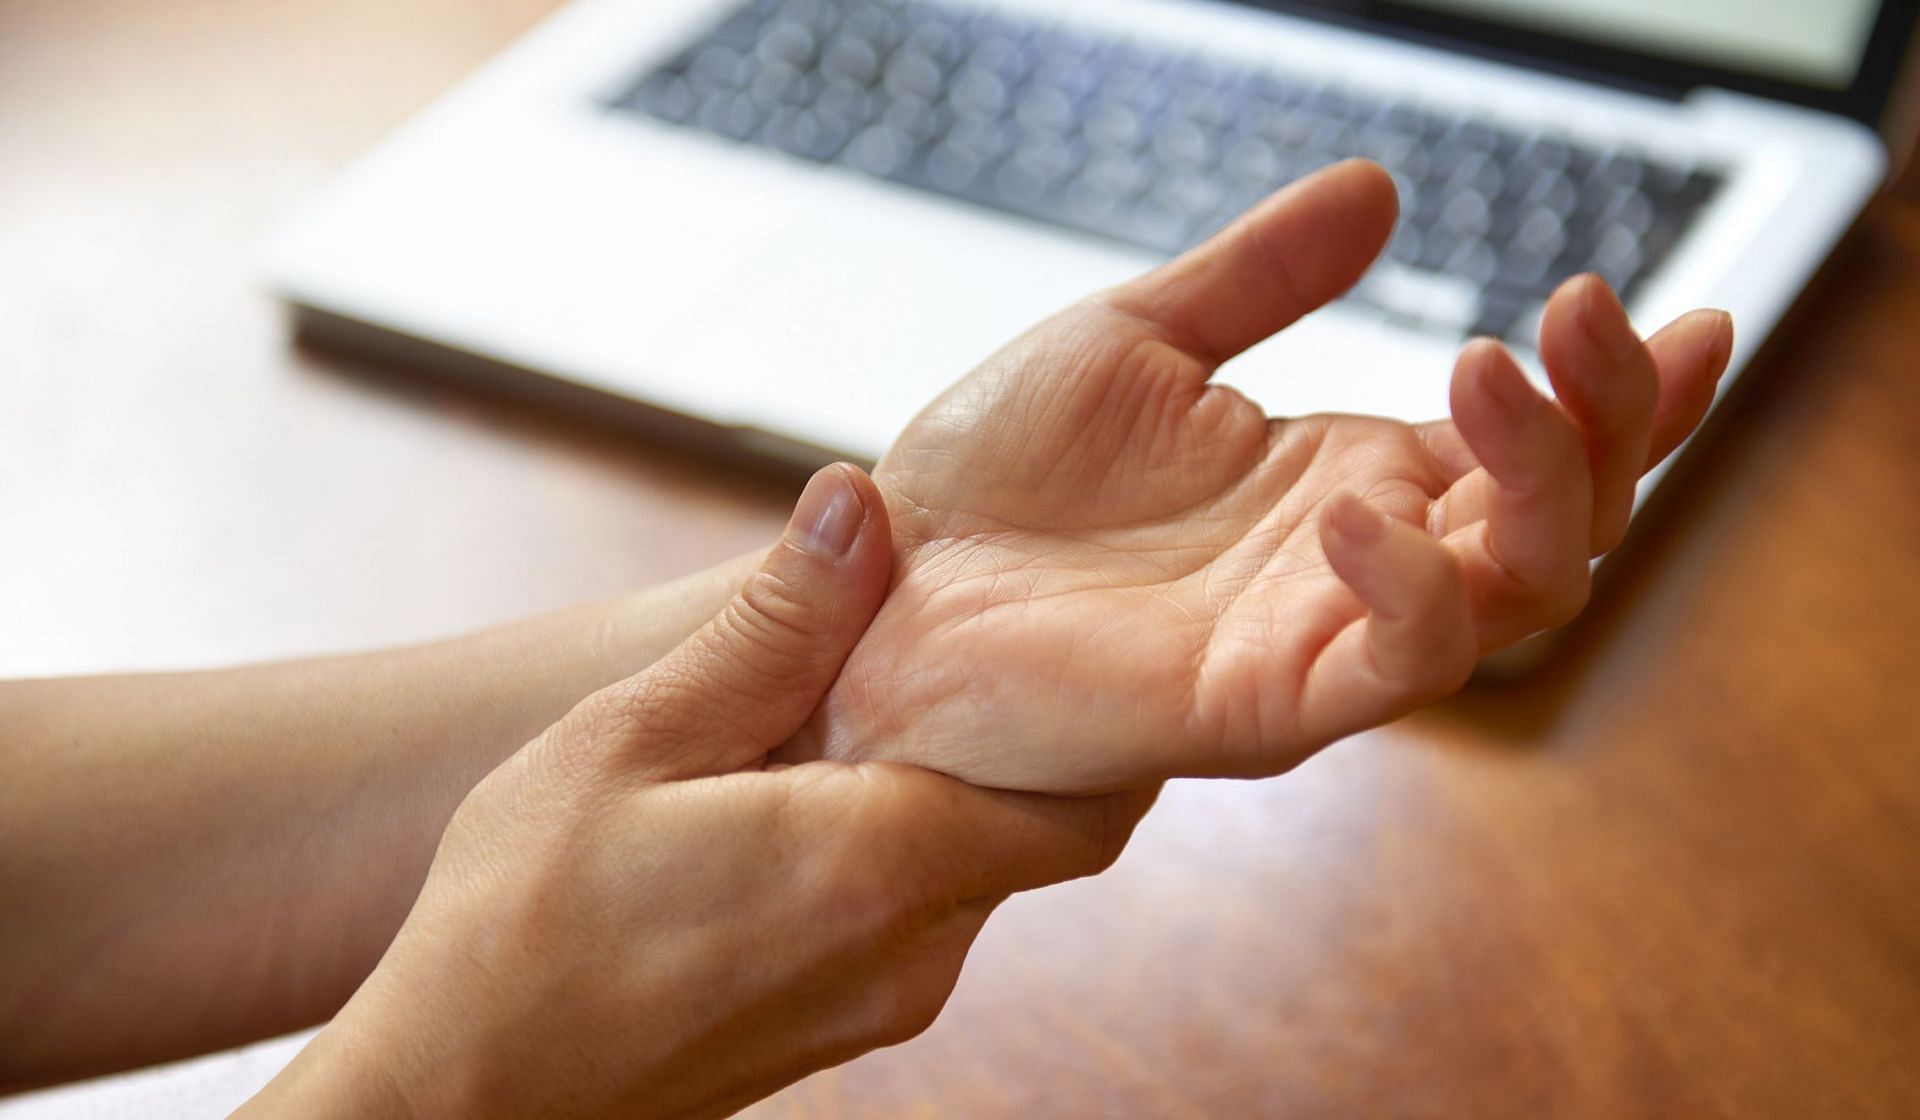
[630,917]
[192,860]
[1107,570]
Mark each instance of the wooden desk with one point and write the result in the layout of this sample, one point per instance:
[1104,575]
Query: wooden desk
[1679,873]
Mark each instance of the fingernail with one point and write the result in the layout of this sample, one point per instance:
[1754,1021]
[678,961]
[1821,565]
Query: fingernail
[827,517]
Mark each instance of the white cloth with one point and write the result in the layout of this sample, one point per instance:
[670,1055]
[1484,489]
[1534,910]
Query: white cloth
[209,1086]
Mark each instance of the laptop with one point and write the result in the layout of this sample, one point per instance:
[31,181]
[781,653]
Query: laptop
[780,227]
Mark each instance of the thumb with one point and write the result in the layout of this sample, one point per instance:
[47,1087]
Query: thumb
[746,681]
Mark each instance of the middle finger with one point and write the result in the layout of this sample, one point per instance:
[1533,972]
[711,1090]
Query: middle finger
[1607,382]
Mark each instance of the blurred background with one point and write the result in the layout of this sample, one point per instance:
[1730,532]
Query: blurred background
[218,495]
[1669,873]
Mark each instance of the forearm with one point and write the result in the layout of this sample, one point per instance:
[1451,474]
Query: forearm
[192,860]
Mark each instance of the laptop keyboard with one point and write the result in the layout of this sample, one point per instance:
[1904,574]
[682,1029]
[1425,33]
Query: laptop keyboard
[1159,149]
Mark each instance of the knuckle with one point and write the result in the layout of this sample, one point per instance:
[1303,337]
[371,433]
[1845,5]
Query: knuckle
[1552,595]
[675,714]
[768,636]
[774,610]
[649,706]
[862,868]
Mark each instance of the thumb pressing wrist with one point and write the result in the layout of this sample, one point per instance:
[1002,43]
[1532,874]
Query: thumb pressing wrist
[746,681]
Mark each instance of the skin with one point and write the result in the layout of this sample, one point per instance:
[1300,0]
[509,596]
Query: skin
[1102,570]
[1112,571]
[630,918]
[317,791]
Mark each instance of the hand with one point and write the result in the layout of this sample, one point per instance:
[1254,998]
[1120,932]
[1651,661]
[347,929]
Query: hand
[630,917]
[1111,571]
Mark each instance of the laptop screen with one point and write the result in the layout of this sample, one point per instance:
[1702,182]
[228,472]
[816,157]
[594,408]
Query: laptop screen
[1838,55]
[1819,42]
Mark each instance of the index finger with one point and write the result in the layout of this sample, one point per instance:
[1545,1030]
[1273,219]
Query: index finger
[1606,380]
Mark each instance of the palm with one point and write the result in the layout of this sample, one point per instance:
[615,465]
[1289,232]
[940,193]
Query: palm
[1110,570]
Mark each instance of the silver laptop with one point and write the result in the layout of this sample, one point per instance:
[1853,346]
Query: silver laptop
[785,225]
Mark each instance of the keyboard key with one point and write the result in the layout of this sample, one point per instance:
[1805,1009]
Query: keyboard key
[804,133]
[1136,87]
[665,95]
[987,138]
[1046,111]
[1466,214]
[1407,245]
[1253,160]
[1473,260]
[1122,176]
[853,106]
[920,121]
[1545,153]
[980,90]
[935,42]
[732,115]
[879,29]
[1621,170]
[915,75]
[954,167]
[1501,310]
[1181,143]
[1050,158]
[880,150]
[787,41]
[1072,71]
[717,68]
[740,32]
[1088,205]
[1019,185]
[1554,192]
[1125,140]
[1616,256]
[1194,194]
[851,60]
[1113,124]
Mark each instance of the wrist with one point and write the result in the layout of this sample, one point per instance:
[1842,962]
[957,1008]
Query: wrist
[336,1075]
[402,1047]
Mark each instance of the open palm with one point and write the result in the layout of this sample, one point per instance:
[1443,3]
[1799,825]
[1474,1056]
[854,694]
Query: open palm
[1110,570]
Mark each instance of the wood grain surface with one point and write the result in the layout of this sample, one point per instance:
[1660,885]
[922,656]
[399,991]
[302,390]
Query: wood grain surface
[1675,873]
